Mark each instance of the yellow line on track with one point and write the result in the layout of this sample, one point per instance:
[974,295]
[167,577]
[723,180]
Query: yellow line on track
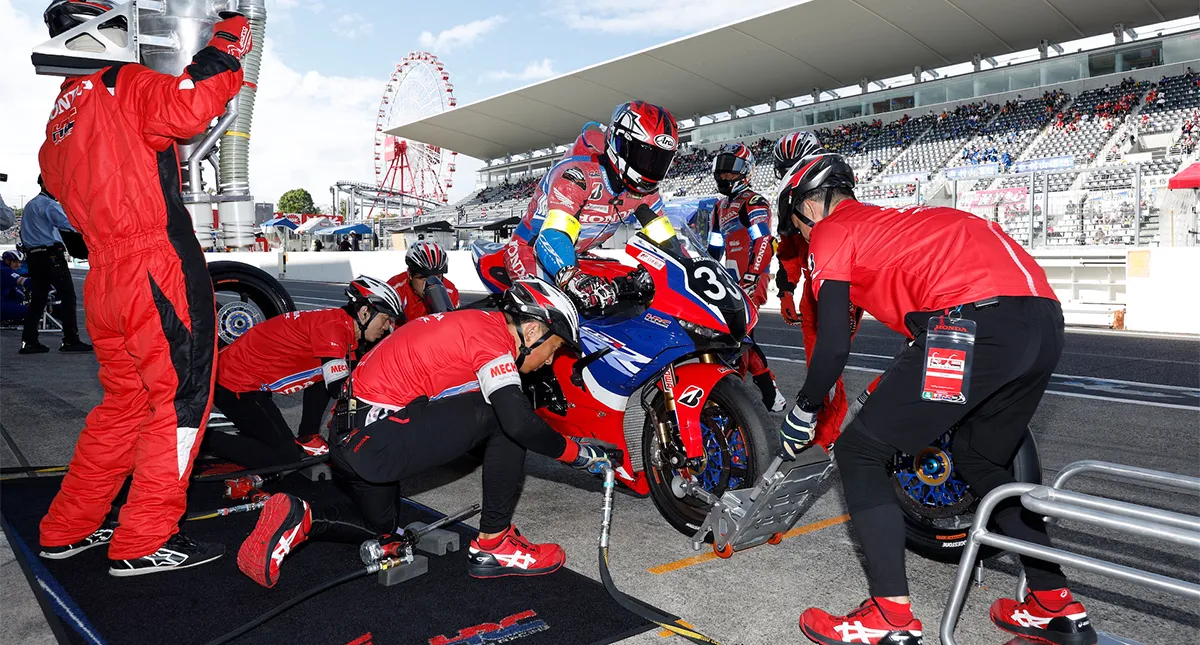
[705,557]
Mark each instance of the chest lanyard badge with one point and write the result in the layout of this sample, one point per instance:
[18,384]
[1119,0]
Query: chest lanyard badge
[949,345]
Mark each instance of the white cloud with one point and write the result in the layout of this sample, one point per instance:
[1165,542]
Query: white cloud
[629,16]
[352,25]
[532,72]
[459,35]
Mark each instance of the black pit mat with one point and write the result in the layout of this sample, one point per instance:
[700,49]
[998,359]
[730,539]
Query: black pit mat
[86,605]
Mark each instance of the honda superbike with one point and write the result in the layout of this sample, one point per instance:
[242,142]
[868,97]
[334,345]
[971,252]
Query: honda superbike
[657,380]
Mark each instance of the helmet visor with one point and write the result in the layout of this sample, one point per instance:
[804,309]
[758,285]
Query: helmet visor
[647,160]
[730,163]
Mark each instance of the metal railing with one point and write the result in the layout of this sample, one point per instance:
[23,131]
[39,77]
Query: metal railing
[1054,502]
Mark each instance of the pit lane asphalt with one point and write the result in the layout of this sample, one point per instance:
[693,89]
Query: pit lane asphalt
[755,596]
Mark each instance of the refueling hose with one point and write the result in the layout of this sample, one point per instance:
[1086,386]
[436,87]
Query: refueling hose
[353,575]
[268,470]
[666,621]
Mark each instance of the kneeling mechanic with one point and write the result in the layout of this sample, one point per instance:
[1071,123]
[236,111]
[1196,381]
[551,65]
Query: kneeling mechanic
[426,395]
[985,333]
[300,350]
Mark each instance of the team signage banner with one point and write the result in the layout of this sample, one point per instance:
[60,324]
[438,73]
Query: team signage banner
[974,171]
[1049,163]
[984,198]
[905,178]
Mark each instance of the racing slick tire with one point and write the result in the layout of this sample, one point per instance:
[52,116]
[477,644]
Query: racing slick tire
[749,436]
[937,529]
[246,295]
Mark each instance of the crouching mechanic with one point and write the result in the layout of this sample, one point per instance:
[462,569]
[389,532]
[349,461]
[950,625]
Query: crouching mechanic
[740,234]
[586,196]
[923,272]
[300,350]
[427,394]
[13,287]
[424,287]
[110,159]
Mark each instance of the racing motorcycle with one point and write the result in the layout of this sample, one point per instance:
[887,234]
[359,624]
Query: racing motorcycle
[657,380]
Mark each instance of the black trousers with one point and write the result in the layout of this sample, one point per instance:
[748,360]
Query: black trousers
[386,447]
[316,403]
[48,268]
[1018,343]
[264,437]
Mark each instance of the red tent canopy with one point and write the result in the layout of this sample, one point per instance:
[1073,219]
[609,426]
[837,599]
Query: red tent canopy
[1187,178]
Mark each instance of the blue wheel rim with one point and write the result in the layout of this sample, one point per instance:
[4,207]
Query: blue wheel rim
[931,479]
[721,458]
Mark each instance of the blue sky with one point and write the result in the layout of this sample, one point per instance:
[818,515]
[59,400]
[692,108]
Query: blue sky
[326,63]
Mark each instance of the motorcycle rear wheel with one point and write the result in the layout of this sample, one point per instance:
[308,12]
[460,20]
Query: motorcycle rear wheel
[738,448]
[246,295]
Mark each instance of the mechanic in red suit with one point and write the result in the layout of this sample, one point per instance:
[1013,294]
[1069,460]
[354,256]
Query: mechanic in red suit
[427,265]
[740,234]
[792,251]
[110,158]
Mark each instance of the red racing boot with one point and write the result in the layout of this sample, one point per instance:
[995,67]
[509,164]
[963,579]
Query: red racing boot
[1051,617]
[511,554]
[868,624]
[284,523]
[313,446]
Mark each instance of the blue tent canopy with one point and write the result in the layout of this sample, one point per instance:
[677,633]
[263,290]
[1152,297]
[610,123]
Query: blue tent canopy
[280,222]
[346,229]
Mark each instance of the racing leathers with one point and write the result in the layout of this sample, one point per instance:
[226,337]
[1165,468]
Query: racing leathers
[110,159]
[414,305]
[578,205]
[740,236]
[299,351]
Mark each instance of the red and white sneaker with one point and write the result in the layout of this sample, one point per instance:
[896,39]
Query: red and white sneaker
[512,555]
[313,446]
[1066,624]
[284,523]
[867,624]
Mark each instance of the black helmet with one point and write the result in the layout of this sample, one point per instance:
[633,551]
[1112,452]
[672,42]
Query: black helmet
[733,158]
[62,15]
[792,147]
[538,299]
[640,143]
[379,296]
[425,259]
[823,170]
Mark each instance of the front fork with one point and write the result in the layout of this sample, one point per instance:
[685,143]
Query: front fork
[672,452]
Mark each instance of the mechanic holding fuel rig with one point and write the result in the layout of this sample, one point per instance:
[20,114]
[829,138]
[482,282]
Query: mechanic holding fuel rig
[986,332]
[424,287]
[307,351]
[110,159]
[427,394]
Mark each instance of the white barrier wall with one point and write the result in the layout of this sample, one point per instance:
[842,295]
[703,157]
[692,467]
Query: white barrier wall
[1161,294]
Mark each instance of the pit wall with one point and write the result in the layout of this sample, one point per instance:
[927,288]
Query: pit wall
[1145,289]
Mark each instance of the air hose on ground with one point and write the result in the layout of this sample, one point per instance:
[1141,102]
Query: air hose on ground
[668,622]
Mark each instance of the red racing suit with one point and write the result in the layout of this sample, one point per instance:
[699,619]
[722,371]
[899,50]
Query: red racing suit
[110,159]
[793,272]
[578,202]
[414,305]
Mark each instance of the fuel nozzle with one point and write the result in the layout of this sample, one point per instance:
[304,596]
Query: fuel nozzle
[242,487]
[389,545]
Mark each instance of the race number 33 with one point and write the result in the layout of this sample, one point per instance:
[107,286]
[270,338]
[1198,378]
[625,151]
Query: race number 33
[949,344]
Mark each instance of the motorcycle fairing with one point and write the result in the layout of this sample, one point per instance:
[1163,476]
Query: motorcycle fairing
[696,382]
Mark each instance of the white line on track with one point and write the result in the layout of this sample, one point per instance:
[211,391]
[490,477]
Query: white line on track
[1173,406]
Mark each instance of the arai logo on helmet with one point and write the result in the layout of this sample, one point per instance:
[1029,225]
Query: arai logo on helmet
[665,141]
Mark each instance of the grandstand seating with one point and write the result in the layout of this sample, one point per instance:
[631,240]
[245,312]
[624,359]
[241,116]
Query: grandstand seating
[936,146]
[1088,123]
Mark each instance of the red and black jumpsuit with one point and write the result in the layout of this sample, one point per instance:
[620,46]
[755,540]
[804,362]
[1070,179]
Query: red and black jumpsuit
[110,158]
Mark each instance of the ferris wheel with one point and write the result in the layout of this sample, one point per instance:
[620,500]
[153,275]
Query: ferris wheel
[419,87]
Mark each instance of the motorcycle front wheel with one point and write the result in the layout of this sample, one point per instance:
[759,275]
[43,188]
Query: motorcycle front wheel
[738,447]
[938,506]
[246,295]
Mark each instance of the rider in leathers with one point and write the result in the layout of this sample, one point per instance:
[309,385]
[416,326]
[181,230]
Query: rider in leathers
[583,199]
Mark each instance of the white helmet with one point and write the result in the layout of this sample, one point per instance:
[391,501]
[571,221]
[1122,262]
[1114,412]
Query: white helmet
[538,299]
[367,291]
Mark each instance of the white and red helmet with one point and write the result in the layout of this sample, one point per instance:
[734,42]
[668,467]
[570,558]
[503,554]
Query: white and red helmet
[793,147]
[535,298]
[425,259]
[733,158]
[640,144]
[376,294]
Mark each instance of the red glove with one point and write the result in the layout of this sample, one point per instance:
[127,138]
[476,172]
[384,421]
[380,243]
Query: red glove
[787,308]
[232,35]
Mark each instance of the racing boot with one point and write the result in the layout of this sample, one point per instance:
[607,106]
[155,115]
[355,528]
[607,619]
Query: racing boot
[771,396]
[178,552]
[284,524]
[102,535]
[510,554]
[313,446]
[1051,617]
[876,622]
